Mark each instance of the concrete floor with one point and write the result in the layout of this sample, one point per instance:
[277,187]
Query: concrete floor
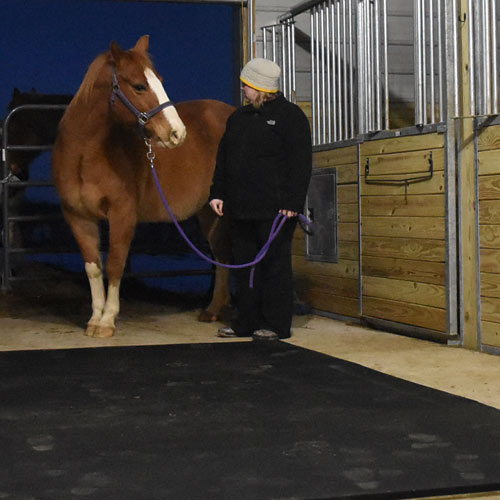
[53,316]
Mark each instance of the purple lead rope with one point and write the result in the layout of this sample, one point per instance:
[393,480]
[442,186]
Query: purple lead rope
[278,223]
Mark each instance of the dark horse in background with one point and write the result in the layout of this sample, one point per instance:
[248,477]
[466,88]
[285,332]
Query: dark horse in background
[102,172]
[32,125]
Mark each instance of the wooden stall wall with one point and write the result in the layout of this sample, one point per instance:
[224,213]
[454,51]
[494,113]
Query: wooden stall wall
[403,236]
[334,287]
[488,155]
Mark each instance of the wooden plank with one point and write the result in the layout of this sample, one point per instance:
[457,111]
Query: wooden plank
[336,304]
[490,284]
[335,157]
[324,284]
[347,193]
[490,260]
[490,333]
[489,236]
[402,144]
[404,248]
[348,231]
[348,250]
[405,291]
[431,318]
[489,212]
[421,206]
[489,187]
[405,227]
[347,174]
[431,186]
[489,162]
[347,212]
[410,270]
[341,269]
[490,309]
[410,163]
[489,138]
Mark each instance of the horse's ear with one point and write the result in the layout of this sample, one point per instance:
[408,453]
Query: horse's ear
[142,44]
[16,92]
[116,51]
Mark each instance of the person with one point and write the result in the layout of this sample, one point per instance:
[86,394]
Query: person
[263,167]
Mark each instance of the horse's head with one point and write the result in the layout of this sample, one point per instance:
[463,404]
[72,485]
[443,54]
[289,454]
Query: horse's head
[140,85]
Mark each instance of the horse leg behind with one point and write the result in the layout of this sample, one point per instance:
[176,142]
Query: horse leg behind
[216,231]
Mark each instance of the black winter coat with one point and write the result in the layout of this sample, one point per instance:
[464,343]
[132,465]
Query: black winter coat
[264,161]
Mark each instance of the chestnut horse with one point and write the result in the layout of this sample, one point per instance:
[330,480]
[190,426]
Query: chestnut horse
[101,170]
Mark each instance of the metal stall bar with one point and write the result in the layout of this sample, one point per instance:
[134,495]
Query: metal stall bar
[494,64]
[432,96]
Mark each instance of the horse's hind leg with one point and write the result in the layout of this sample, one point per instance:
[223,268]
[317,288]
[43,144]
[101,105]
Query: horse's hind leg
[215,230]
[86,233]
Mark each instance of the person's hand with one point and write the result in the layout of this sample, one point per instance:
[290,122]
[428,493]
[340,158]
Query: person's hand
[217,206]
[288,213]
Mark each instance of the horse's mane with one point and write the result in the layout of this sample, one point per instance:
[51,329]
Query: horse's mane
[90,79]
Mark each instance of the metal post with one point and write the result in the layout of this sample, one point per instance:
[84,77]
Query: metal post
[494,65]
[351,72]
[431,63]
[313,72]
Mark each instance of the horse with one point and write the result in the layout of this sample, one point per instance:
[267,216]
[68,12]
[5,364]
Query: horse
[102,172]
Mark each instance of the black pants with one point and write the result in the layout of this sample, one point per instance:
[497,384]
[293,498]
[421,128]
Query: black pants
[269,304]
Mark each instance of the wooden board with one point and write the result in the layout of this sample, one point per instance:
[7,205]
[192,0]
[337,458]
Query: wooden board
[409,270]
[404,227]
[490,284]
[402,312]
[489,236]
[405,248]
[402,144]
[490,333]
[405,291]
[417,206]
[490,260]
[489,162]
[490,309]
[489,187]
[489,138]
[335,157]
[410,163]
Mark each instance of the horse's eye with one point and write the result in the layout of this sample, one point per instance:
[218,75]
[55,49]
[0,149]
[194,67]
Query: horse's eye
[140,87]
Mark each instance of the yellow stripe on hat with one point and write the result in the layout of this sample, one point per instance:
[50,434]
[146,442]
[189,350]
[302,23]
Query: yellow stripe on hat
[258,88]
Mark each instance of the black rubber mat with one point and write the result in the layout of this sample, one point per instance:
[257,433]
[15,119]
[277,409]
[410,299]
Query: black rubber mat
[234,421]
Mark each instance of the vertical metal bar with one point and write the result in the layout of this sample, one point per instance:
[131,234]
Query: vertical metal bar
[4,191]
[424,64]
[264,42]
[351,72]
[339,72]
[494,63]
[283,61]
[378,109]
[440,51]
[472,67]
[290,65]
[250,11]
[345,69]
[294,68]
[274,44]
[368,65]
[431,63]
[386,67]
[417,47]
[334,72]
[328,72]
[486,58]
[318,69]
[361,67]
[451,99]
[313,83]
[323,76]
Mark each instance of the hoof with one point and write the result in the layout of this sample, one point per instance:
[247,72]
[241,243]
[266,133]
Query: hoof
[104,332]
[91,329]
[207,317]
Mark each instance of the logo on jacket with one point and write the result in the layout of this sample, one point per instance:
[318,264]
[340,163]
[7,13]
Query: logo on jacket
[271,122]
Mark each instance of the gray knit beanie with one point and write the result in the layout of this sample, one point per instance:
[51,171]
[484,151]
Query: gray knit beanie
[261,74]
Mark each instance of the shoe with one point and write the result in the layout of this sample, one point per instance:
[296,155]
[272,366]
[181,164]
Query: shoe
[226,332]
[265,335]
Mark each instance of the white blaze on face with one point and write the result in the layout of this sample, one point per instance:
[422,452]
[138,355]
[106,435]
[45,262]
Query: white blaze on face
[178,133]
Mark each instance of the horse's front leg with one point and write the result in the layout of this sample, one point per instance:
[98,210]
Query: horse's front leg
[86,233]
[121,231]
